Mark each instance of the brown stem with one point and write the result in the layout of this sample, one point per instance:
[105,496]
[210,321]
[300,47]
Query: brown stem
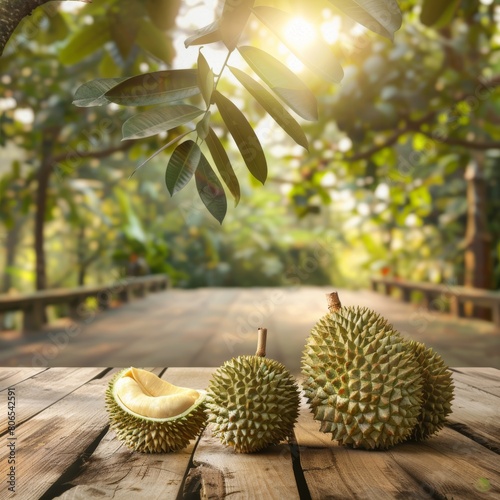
[333,301]
[261,342]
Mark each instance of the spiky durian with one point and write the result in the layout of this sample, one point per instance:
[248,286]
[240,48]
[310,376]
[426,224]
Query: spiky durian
[150,414]
[437,391]
[361,381]
[252,402]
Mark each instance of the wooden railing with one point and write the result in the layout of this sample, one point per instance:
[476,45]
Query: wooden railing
[434,296]
[32,305]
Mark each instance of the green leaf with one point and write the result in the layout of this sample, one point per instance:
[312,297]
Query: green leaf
[210,189]
[438,12]
[203,125]
[317,56]
[381,16]
[154,121]
[223,164]
[205,79]
[85,42]
[155,41]
[205,35]
[234,17]
[282,81]
[182,165]
[244,136]
[282,117]
[92,93]
[158,87]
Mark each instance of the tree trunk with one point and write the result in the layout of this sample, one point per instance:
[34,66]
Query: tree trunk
[478,261]
[12,12]
[10,255]
[43,178]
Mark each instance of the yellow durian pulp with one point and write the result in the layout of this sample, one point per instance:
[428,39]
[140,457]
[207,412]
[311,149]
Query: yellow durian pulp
[145,394]
[152,415]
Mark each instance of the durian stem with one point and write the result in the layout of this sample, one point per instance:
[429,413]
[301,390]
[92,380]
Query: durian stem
[261,342]
[333,300]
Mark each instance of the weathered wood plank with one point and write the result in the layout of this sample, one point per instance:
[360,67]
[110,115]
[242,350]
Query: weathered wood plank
[13,376]
[114,471]
[44,389]
[337,472]
[486,379]
[475,413]
[220,472]
[50,444]
[450,465]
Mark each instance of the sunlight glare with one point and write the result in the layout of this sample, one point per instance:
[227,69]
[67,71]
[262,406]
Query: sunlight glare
[299,32]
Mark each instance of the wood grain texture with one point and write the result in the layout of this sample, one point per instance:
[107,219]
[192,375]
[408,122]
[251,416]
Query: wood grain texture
[43,389]
[336,472]
[114,471]
[12,376]
[220,472]
[49,444]
[485,379]
[64,450]
[449,465]
[475,411]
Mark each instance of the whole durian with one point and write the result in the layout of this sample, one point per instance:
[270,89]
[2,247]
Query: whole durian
[361,381]
[150,414]
[252,401]
[437,391]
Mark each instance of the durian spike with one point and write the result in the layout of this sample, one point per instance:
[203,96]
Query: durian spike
[261,342]
[333,301]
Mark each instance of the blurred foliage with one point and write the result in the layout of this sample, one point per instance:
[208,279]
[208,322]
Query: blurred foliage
[381,186]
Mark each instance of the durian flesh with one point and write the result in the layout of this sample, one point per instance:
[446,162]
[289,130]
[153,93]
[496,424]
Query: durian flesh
[361,382]
[150,414]
[252,403]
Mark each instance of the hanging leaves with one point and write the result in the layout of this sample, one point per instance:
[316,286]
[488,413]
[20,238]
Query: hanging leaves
[182,165]
[205,35]
[282,81]
[171,87]
[159,87]
[381,16]
[244,136]
[317,56]
[282,117]
[92,93]
[223,164]
[210,189]
[205,79]
[158,120]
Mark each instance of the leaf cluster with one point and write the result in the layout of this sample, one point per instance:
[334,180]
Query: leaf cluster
[171,97]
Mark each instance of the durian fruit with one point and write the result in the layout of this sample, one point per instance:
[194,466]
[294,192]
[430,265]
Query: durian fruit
[150,414]
[361,381]
[437,391]
[252,401]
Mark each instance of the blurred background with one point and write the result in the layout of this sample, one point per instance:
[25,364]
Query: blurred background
[401,181]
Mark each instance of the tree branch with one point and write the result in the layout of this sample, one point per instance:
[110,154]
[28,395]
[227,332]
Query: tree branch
[455,141]
[409,127]
[12,12]
[103,153]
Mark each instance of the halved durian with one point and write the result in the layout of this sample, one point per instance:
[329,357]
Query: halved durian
[150,414]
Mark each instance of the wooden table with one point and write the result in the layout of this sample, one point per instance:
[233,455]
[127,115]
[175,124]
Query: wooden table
[63,449]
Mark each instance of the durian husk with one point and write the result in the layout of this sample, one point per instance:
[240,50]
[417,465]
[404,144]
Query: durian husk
[437,394]
[252,403]
[361,381]
[151,415]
